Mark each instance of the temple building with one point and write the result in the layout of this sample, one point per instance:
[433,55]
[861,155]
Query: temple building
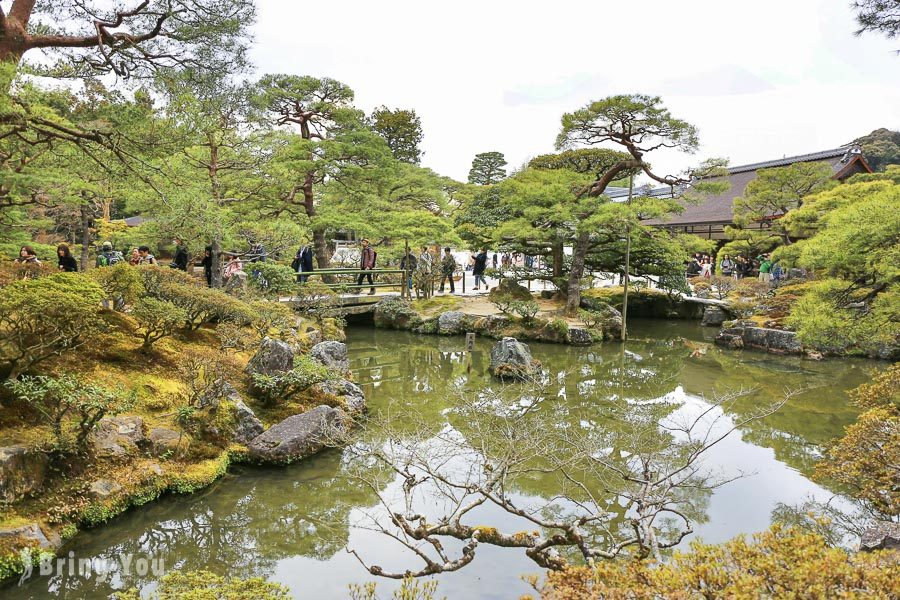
[709,219]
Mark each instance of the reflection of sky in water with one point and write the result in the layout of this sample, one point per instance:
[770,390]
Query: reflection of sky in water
[292,524]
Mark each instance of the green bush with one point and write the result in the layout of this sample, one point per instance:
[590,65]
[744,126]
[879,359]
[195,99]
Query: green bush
[834,317]
[315,299]
[157,319]
[204,585]
[71,407]
[121,282]
[40,318]
[203,305]
[273,319]
[307,371]
[154,278]
[526,309]
[272,280]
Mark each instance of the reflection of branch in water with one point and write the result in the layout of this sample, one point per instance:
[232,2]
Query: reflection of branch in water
[634,483]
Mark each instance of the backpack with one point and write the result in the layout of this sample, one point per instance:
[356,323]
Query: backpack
[374,258]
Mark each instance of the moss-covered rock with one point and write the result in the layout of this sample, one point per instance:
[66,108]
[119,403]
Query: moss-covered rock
[396,313]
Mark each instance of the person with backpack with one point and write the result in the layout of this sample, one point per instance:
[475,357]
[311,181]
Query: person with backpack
[108,256]
[146,257]
[777,273]
[181,259]
[366,263]
[67,262]
[728,266]
[448,268]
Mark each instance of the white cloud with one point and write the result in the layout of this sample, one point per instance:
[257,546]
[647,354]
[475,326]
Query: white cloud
[759,79]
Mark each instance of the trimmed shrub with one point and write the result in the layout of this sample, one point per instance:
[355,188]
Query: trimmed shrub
[157,319]
[777,563]
[526,309]
[71,407]
[121,282]
[203,305]
[307,371]
[155,277]
[272,280]
[204,585]
[40,318]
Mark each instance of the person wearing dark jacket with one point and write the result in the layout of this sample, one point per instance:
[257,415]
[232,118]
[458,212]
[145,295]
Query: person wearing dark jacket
[67,262]
[693,268]
[478,269]
[181,259]
[366,263]
[207,265]
[303,262]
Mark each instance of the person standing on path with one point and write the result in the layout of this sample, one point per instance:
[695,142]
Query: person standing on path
[424,271]
[448,268]
[480,266]
[366,263]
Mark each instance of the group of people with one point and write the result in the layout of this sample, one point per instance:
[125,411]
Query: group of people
[140,255]
[421,270]
[740,267]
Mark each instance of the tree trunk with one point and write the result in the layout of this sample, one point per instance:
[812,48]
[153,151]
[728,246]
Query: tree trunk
[558,257]
[216,261]
[216,192]
[573,291]
[85,234]
[627,266]
[320,244]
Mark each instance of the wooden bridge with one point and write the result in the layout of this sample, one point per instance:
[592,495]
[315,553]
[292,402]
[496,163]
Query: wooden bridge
[351,296]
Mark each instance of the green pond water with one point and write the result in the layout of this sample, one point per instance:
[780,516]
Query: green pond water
[294,525]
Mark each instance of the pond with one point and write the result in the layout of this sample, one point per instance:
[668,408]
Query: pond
[293,525]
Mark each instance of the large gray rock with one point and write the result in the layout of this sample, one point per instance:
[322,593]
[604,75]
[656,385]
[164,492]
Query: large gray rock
[119,436]
[243,423]
[300,436]
[579,337]
[247,425]
[32,535]
[714,316]
[333,355]
[350,394]
[396,313]
[608,317]
[313,335]
[163,441]
[104,488]
[881,536]
[272,358]
[744,334]
[451,323]
[510,288]
[22,472]
[511,359]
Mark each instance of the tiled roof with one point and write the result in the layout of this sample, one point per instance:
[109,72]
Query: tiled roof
[718,208]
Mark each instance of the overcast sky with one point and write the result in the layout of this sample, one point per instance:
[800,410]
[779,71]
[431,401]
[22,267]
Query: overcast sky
[760,79]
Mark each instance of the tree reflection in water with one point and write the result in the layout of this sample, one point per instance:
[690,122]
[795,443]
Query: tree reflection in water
[262,521]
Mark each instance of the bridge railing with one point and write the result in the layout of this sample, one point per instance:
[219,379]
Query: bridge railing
[331,274]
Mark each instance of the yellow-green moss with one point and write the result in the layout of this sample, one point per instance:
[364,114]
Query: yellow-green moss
[436,304]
